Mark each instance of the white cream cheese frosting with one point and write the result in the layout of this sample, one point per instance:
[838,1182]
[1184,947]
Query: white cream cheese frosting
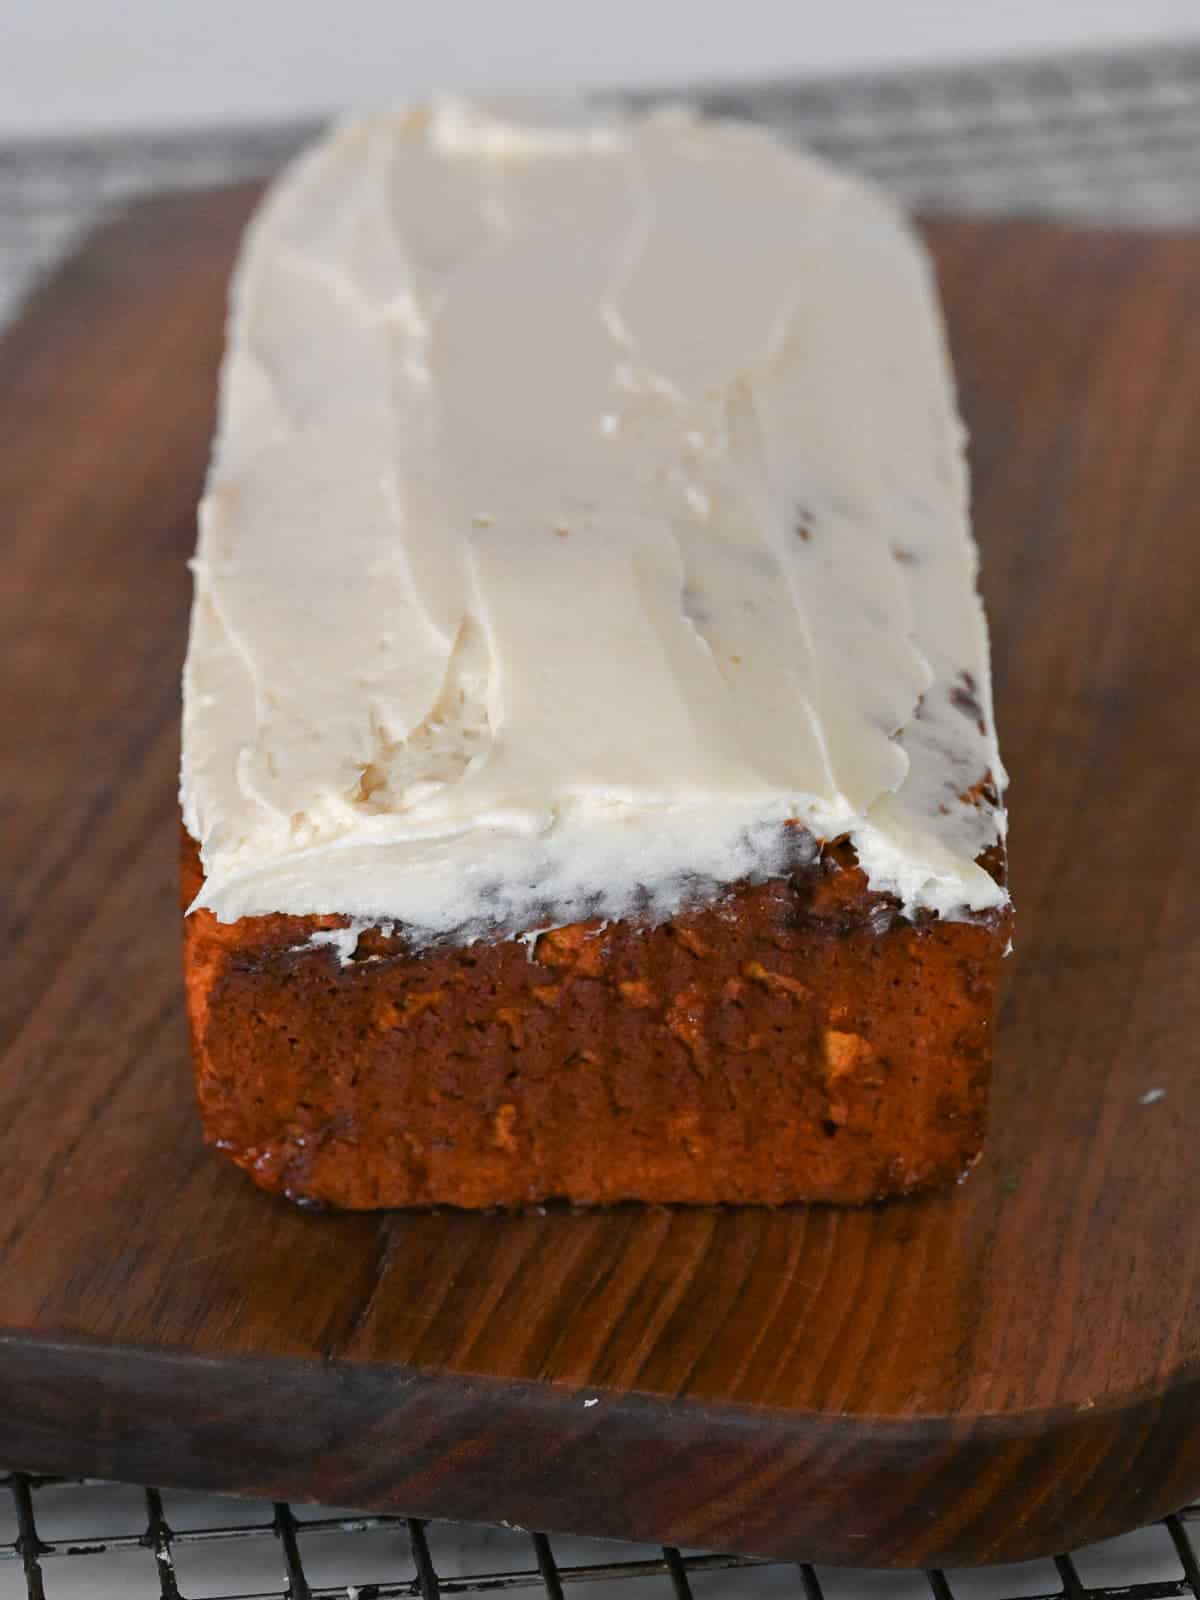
[588,501]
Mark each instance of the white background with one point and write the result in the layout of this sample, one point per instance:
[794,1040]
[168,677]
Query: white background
[80,65]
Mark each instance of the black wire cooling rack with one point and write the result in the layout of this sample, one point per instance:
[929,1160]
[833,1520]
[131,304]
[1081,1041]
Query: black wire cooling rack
[429,1560]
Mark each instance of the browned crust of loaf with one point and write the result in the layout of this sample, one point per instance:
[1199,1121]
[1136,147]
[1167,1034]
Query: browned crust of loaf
[797,1040]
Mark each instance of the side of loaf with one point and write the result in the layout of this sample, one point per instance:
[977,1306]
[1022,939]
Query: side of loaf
[798,1039]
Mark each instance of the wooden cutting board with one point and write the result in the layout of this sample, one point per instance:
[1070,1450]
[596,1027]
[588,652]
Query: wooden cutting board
[1006,1369]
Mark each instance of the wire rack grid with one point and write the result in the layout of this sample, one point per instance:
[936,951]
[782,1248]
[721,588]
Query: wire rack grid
[43,1567]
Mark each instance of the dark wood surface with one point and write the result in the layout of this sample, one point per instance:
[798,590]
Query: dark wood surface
[1004,1369]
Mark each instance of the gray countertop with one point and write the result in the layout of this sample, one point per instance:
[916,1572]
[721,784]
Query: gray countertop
[1099,138]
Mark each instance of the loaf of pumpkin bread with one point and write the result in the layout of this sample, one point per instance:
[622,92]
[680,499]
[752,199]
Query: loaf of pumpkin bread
[590,783]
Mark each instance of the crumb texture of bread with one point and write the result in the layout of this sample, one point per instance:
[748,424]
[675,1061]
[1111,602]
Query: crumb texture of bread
[797,1040]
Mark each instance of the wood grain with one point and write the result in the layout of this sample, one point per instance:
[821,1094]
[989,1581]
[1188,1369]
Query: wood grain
[999,1371]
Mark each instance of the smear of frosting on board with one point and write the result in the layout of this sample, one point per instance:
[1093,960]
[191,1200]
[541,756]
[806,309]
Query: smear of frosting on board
[588,501]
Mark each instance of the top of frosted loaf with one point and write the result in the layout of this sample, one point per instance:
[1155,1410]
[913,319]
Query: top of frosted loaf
[588,502]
